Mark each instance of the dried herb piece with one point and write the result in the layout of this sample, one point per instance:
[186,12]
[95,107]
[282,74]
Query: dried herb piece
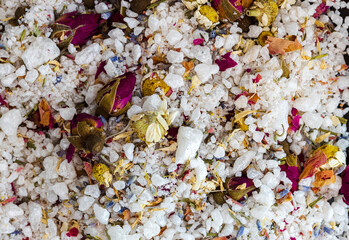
[206,16]
[140,5]
[229,9]
[262,38]
[152,81]
[102,174]
[282,46]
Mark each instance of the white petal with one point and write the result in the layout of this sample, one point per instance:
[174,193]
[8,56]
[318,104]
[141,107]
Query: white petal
[172,117]
[162,122]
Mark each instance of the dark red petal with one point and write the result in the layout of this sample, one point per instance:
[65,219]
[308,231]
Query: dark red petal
[198,41]
[125,90]
[83,116]
[100,69]
[295,123]
[322,8]
[73,232]
[3,102]
[70,153]
[257,79]
[226,62]
[294,111]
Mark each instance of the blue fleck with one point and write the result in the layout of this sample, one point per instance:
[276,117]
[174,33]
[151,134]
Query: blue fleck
[213,34]
[132,35]
[282,194]
[259,226]
[104,121]
[152,189]
[16,232]
[60,153]
[131,180]
[241,231]
[328,230]
[58,79]
[222,31]
[122,210]
[316,230]
[114,59]
[141,17]
[304,188]
[106,15]
[180,213]
[110,204]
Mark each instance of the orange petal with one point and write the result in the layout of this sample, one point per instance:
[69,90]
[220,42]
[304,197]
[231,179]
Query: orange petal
[312,164]
[282,46]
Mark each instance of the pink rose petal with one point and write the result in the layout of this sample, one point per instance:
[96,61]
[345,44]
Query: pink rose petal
[226,62]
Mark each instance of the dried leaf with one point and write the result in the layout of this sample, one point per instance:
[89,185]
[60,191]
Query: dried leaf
[246,3]
[229,9]
[282,46]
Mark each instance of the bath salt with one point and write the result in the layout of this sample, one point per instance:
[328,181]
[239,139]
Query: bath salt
[189,140]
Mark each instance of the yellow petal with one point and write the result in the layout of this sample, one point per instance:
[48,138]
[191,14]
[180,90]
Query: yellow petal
[243,114]
[162,122]
[319,139]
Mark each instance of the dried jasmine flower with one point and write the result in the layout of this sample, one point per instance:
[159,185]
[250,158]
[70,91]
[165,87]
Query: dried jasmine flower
[86,134]
[206,16]
[265,11]
[102,174]
[192,4]
[152,81]
[115,97]
[152,126]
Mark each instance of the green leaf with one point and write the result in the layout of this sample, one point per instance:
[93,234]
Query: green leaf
[23,35]
[30,144]
[36,31]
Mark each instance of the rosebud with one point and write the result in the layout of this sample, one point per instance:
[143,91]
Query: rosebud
[238,187]
[152,81]
[115,97]
[87,133]
[206,16]
[265,11]
[152,126]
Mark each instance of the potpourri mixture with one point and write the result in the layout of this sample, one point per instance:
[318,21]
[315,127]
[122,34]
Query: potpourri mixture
[192,119]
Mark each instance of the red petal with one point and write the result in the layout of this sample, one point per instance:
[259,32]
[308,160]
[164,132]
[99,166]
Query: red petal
[322,8]
[226,62]
[312,164]
[198,41]
[100,69]
[70,153]
[257,79]
[3,102]
[73,232]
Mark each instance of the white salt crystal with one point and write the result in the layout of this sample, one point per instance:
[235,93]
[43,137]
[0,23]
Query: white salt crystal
[67,113]
[174,81]
[243,161]
[173,37]
[134,109]
[136,53]
[175,57]
[258,136]
[101,7]
[217,219]
[189,140]
[119,185]
[110,69]
[186,236]
[343,82]
[291,28]
[202,53]
[31,76]
[158,181]
[259,212]
[138,30]
[128,149]
[151,229]
[241,102]
[152,103]
[265,196]
[153,23]
[119,47]
[10,121]
[85,202]
[6,69]
[306,104]
[12,210]
[21,71]
[312,120]
[254,31]
[231,41]
[61,190]
[6,227]
[102,214]
[220,152]
[92,93]
[270,180]
[131,22]
[50,164]
[42,50]
[227,230]
[35,215]
[8,80]
[88,54]
[117,232]
[205,71]
[67,170]
[92,190]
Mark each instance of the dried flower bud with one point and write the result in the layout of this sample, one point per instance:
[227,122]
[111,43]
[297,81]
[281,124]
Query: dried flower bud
[87,133]
[238,187]
[265,11]
[102,174]
[152,81]
[151,126]
[263,37]
[115,97]
[206,16]
[192,4]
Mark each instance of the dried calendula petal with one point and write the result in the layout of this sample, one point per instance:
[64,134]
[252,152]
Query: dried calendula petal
[152,81]
[102,174]
[265,11]
[206,16]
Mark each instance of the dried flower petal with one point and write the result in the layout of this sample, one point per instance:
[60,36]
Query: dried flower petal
[198,41]
[313,164]
[264,10]
[282,46]
[3,102]
[226,62]
[70,152]
[292,170]
[257,79]
[295,123]
[73,232]
[43,115]
[101,174]
[100,69]
[322,8]
[206,16]
[345,185]
[152,81]
[229,9]
[115,97]
[325,177]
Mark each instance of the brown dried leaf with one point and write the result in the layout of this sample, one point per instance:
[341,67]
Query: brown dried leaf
[282,46]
